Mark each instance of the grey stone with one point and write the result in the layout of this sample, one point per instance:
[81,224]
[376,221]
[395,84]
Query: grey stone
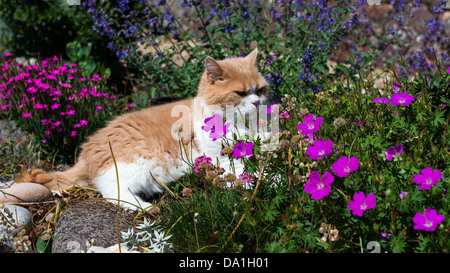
[13,219]
[87,223]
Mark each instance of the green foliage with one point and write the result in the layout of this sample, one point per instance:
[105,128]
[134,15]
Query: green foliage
[282,217]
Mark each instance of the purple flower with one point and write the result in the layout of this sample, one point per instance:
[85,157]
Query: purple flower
[428,178]
[319,187]
[310,125]
[403,194]
[403,99]
[321,148]
[343,166]
[396,87]
[361,203]
[241,149]
[246,177]
[427,221]
[393,151]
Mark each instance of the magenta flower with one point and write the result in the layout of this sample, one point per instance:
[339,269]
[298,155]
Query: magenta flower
[199,160]
[98,107]
[428,178]
[319,187]
[7,54]
[26,115]
[269,110]
[241,149]
[321,148]
[55,106]
[246,177]
[403,99]
[83,122]
[393,151]
[73,133]
[361,203]
[71,112]
[310,125]
[214,125]
[211,122]
[343,166]
[427,221]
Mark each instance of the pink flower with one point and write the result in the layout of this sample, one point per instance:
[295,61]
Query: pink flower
[403,99]
[319,188]
[71,112]
[427,221]
[198,162]
[403,194]
[73,133]
[310,125]
[214,125]
[7,54]
[343,166]
[55,106]
[26,115]
[427,179]
[98,107]
[57,123]
[66,85]
[361,203]
[241,149]
[321,148]
[380,100]
[246,177]
[83,122]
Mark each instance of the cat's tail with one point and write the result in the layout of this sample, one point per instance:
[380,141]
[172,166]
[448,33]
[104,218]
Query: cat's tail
[57,181]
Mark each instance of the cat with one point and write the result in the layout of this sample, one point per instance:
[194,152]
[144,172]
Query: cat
[150,144]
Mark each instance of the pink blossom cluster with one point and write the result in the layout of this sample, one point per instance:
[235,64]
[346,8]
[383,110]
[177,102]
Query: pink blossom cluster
[56,94]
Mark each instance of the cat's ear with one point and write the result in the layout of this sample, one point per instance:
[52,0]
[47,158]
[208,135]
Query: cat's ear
[213,70]
[251,58]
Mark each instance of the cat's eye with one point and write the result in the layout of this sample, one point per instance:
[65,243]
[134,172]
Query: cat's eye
[262,90]
[241,93]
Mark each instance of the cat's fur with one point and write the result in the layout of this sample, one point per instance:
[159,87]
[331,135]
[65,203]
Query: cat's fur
[143,142]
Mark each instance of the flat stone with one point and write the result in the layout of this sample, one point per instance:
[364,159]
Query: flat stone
[13,219]
[24,193]
[90,223]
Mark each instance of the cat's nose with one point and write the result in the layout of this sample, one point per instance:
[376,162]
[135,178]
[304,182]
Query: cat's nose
[255,103]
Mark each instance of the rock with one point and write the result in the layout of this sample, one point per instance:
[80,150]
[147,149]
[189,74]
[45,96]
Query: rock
[13,219]
[87,223]
[25,192]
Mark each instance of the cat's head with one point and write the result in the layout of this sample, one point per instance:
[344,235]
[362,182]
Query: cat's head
[233,82]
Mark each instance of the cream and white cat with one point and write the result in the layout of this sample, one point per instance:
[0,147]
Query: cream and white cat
[145,145]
